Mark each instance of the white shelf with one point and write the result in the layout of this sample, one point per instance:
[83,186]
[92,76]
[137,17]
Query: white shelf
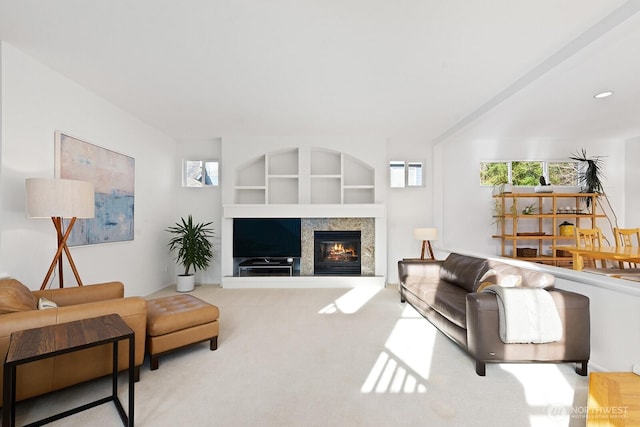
[338,176]
[251,187]
[364,210]
[356,187]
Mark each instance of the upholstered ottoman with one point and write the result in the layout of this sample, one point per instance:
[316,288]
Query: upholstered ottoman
[177,321]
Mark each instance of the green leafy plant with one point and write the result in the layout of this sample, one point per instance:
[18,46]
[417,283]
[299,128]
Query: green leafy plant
[191,241]
[498,213]
[529,209]
[591,178]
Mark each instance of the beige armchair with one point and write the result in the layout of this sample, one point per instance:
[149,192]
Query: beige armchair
[19,311]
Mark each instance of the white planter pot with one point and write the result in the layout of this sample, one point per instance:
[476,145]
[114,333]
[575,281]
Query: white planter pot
[185,283]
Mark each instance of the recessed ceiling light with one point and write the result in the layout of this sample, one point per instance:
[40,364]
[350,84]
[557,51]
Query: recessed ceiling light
[603,94]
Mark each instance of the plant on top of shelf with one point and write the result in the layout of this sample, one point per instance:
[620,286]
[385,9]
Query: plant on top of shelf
[591,179]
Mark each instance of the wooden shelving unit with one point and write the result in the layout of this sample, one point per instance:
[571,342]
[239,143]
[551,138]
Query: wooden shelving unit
[522,234]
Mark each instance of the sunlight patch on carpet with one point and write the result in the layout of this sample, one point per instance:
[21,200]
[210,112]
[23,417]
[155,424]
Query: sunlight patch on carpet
[352,301]
[546,391]
[404,365]
[388,376]
[416,354]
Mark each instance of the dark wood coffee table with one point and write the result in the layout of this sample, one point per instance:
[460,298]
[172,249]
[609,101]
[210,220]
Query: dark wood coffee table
[47,341]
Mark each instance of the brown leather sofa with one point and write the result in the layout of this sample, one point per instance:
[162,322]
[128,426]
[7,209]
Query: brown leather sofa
[446,294]
[19,311]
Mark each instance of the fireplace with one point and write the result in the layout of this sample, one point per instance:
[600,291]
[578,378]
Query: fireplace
[336,253]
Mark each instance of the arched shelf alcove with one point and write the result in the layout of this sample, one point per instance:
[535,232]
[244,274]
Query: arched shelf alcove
[334,178]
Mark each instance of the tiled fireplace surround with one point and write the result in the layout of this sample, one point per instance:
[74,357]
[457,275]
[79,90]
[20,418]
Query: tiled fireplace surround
[367,249]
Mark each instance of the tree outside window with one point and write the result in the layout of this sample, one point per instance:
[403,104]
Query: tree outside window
[526,174]
[563,173]
[494,173]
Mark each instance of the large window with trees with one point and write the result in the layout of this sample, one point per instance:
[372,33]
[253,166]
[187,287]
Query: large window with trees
[527,173]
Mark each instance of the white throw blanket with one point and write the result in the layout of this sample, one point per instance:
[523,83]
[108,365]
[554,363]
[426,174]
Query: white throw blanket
[527,315]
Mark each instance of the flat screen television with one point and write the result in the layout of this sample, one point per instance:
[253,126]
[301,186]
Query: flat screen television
[267,238]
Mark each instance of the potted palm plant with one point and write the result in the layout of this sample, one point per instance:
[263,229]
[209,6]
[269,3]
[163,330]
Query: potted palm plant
[191,241]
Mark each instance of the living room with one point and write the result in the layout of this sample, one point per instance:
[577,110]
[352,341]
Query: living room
[522,110]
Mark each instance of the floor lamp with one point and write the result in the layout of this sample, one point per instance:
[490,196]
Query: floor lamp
[426,235]
[58,199]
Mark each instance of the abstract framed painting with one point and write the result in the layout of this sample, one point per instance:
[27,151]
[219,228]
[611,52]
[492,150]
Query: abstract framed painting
[113,177]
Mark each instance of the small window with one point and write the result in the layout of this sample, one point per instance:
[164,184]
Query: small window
[200,173]
[405,174]
[414,174]
[396,174]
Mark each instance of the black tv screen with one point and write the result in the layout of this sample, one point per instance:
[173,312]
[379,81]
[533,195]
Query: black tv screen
[267,237]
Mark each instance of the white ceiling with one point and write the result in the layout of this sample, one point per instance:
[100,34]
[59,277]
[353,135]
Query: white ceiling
[398,68]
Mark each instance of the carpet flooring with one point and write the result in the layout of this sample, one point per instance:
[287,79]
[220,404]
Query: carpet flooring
[327,357]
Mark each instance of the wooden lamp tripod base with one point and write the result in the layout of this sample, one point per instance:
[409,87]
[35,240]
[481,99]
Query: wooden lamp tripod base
[426,245]
[62,247]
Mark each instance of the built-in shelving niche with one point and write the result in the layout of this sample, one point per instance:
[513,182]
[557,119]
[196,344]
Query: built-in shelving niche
[333,177]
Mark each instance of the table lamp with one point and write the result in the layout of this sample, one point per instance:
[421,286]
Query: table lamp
[426,235]
[58,199]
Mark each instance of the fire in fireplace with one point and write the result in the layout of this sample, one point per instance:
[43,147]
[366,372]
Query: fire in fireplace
[336,252]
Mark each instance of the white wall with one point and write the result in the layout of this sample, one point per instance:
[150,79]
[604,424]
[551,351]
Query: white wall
[410,207]
[203,203]
[615,313]
[36,101]
[632,178]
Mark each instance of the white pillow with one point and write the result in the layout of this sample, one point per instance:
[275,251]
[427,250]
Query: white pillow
[493,277]
[44,303]
[510,281]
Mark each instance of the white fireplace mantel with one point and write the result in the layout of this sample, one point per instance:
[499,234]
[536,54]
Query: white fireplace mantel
[305,211]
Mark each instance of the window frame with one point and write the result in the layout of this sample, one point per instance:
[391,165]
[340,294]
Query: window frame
[406,174]
[204,172]
[545,171]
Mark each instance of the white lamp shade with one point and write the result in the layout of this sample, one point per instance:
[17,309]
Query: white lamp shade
[66,198]
[425,234]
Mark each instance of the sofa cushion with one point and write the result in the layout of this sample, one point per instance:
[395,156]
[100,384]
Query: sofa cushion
[14,296]
[449,301]
[463,271]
